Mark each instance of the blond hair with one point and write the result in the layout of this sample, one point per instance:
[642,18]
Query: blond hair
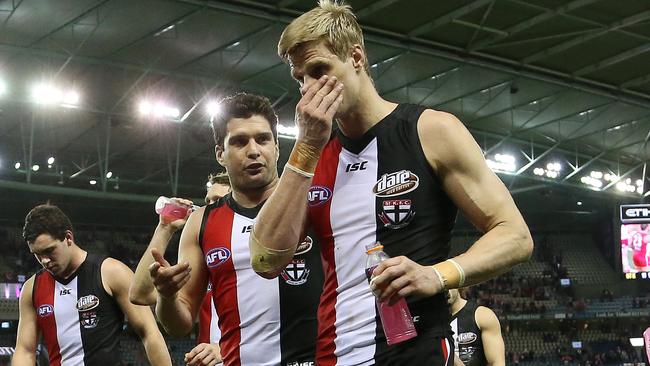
[332,22]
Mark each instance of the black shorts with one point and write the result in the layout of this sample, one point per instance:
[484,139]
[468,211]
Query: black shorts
[425,349]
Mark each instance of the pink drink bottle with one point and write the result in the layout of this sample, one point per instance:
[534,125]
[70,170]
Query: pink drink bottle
[171,210]
[395,319]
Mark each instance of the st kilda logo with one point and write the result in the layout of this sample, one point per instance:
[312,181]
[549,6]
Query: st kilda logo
[395,184]
[217,256]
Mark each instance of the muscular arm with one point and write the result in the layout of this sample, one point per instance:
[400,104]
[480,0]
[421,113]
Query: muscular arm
[275,236]
[116,277]
[27,338]
[493,345]
[142,291]
[178,309]
[479,194]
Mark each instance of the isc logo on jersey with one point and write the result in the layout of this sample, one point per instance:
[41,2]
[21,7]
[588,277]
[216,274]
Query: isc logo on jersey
[217,256]
[395,184]
[318,195]
[45,310]
[466,338]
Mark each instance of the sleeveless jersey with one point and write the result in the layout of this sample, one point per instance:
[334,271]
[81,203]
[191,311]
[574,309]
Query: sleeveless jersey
[377,188]
[79,320]
[262,321]
[208,321]
[467,336]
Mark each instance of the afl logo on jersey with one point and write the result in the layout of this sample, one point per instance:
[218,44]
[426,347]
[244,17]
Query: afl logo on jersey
[45,310]
[87,303]
[305,246]
[217,257]
[318,195]
[395,184]
[467,338]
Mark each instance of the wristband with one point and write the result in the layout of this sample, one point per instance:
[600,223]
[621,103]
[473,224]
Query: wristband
[298,171]
[303,158]
[450,273]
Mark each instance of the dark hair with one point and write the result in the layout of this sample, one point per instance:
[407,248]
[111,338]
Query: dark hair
[219,178]
[242,105]
[46,219]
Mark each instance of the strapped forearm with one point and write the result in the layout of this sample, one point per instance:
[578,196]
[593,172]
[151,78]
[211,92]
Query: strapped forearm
[282,218]
[493,254]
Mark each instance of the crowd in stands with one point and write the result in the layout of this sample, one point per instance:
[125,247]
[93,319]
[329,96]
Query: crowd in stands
[510,294]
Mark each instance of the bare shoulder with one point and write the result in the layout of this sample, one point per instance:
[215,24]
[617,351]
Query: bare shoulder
[444,138]
[485,317]
[27,290]
[115,275]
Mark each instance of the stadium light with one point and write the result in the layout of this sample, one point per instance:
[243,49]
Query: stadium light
[591,181]
[596,174]
[158,110]
[35,167]
[213,108]
[579,203]
[287,131]
[50,94]
[50,160]
[17,165]
[144,107]
[636,342]
[71,98]
[628,187]
[109,175]
[92,182]
[502,163]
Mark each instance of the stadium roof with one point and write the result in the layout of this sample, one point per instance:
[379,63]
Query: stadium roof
[540,80]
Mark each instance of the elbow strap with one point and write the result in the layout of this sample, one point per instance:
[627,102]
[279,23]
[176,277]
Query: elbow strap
[267,260]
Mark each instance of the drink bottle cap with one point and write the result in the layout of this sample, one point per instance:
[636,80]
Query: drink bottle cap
[371,248]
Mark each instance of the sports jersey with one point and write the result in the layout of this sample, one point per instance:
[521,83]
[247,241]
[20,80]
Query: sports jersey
[467,336]
[262,321]
[208,321]
[79,320]
[378,188]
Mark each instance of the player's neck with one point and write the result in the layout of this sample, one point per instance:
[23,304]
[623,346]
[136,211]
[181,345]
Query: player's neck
[457,305]
[369,108]
[250,198]
[78,257]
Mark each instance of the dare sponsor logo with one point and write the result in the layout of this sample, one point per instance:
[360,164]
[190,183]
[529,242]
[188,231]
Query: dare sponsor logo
[217,256]
[395,184]
[467,338]
[45,310]
[305,246]
[87,302]
[318,195]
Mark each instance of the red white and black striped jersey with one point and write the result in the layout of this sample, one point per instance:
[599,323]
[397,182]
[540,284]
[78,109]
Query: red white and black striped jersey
[377,188]
[262,321]
[208,321]
[79,320]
